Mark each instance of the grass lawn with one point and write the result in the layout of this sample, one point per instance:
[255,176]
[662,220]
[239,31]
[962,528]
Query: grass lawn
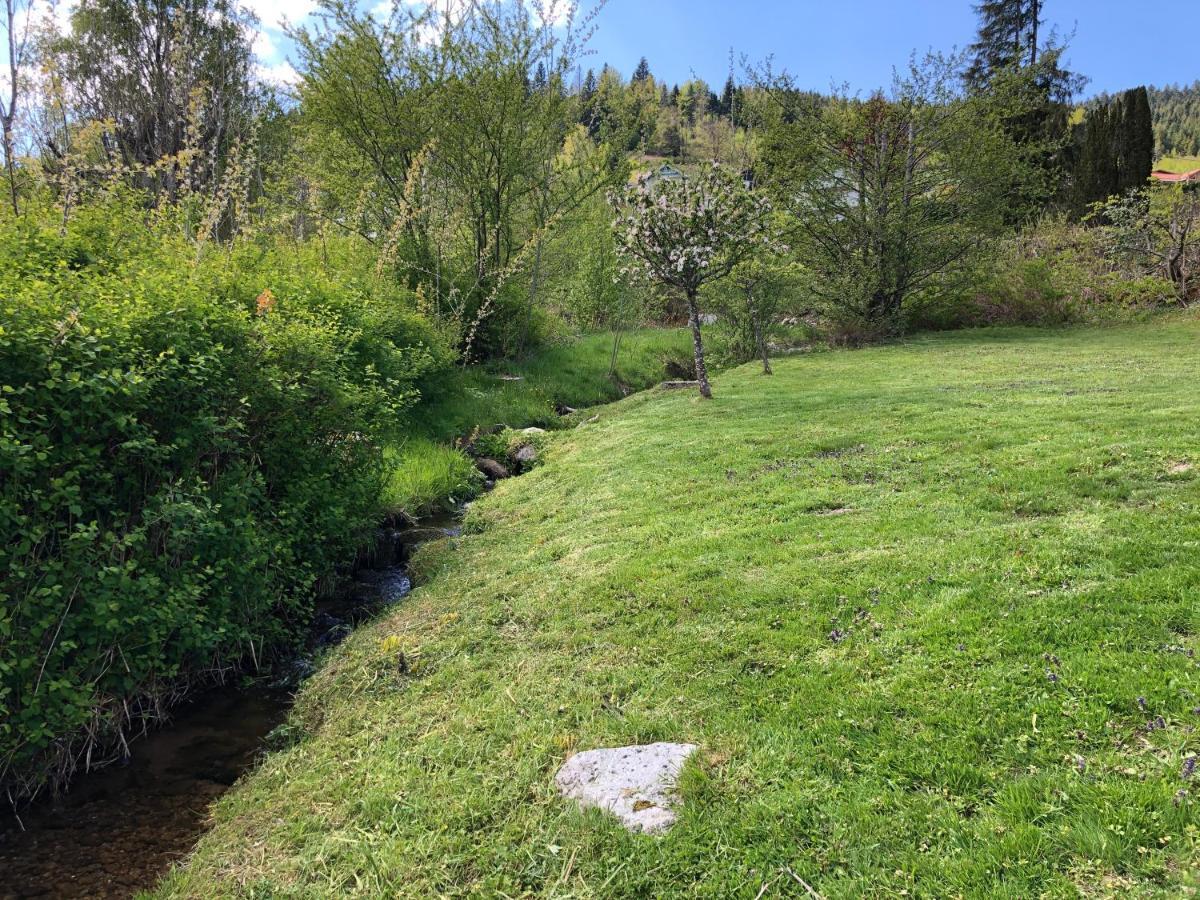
[574,373]
[426,470]
[1178,163]
[928,609]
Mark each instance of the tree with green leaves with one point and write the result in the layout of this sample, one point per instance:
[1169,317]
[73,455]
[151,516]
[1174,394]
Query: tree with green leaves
[642,72]
[892,195]
[168,75]
[1156,230]
[750,303]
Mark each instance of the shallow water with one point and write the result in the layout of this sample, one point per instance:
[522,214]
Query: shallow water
[120,829]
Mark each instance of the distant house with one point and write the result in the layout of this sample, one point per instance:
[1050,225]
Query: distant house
[665,172]
[1176,177]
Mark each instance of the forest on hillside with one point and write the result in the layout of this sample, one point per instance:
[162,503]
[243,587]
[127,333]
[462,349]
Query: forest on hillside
[1177,119]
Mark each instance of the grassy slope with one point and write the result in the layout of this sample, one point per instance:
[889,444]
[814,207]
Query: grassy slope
[427,471]
[969,514]
[574,373]
[1178,163]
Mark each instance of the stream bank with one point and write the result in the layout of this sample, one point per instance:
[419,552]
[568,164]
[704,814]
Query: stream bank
[119,829]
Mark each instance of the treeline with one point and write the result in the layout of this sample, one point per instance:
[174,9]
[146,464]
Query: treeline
[1176,119]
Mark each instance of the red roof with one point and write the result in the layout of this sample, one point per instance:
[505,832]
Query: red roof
[1160,175]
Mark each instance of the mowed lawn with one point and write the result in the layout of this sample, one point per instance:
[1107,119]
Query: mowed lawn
[1178,163]
[928,609]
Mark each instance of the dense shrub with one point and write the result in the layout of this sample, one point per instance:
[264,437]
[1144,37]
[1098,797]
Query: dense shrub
[188,441]
[1052,274]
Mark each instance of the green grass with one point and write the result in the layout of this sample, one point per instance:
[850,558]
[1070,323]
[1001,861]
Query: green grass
[574,373]
[921,606]
[425,475]
[426,472]
[1178,163]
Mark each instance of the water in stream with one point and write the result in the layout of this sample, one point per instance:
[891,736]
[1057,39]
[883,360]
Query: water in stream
[119,829]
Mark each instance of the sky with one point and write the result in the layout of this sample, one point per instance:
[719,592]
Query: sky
[823,42]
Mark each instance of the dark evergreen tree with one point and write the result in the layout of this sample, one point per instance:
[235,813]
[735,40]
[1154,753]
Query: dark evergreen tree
[587,103]
[1114,149]
[1008,38]
[727,97]
[1137,158]
[539,77]
[642,72]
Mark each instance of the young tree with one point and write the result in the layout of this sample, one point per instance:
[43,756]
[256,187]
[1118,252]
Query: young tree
[691,232]
[750,302]
[1156,230]
[17,22]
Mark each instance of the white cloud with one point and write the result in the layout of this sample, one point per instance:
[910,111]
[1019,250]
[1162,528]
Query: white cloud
[273,13]
[281,74]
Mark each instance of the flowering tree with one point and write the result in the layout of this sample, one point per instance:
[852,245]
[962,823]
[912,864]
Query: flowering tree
[686,233]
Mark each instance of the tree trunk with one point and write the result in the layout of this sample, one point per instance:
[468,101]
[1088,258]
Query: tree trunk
[616,348]
[698,346]
[761,341]
[9,165]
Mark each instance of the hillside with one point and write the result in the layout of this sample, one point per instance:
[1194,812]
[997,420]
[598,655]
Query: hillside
[1177,119]
[928,610]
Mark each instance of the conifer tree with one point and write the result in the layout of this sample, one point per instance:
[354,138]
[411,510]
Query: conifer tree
[642,72]
[1008,37]
[1137,158]
[726,108]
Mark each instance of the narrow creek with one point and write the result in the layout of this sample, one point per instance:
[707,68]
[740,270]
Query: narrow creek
[119,829]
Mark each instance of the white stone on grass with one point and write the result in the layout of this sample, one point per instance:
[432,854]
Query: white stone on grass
[636,784]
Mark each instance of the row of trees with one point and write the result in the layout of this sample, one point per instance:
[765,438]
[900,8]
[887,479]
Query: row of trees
[464,147]
[1113,152]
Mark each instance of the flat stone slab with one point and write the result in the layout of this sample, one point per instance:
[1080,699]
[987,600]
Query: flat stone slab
[635,784]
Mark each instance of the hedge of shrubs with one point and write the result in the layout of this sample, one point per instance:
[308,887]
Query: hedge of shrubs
[189,440]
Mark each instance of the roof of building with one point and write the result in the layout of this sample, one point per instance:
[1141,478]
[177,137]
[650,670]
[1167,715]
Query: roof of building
[1161,175]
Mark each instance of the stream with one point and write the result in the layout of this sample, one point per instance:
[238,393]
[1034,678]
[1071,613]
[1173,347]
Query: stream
[119,829]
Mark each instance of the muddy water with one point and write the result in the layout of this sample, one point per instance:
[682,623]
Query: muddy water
[118,830]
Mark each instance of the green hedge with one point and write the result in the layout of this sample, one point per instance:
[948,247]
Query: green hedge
[182,457]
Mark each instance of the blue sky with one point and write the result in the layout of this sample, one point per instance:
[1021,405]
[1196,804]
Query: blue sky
[823,42]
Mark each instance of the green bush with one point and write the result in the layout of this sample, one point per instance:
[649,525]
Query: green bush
[188,442]
[1055,273]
